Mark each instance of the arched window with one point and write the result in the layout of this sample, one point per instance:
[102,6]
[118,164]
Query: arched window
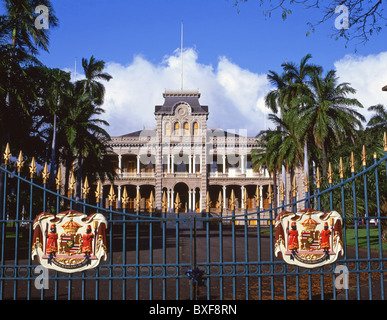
[167,129]
[196,129]
[176,129]
[186,129]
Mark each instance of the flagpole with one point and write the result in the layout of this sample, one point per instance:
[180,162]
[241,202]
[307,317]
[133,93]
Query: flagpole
[181,55]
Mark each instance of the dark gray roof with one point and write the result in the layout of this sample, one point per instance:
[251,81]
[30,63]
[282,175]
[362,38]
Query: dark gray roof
[173,98]
[144,133]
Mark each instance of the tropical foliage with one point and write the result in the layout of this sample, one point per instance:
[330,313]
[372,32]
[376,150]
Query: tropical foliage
[43,112]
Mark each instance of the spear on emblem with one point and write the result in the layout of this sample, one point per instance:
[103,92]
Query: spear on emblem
[95,225]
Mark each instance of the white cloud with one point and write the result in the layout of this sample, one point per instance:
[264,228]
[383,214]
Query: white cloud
[366,74]
[234,95]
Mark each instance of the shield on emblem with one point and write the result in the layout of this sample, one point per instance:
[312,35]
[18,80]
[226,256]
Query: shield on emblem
[308,238]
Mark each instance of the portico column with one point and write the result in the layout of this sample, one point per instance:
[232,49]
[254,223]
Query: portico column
[224,164]
[169,163]
[261,196]
[243,164]
[189,200]
[138,164]
[194,164]
[172,200]
[190,163]
[169,199]
[119,164]
[173,163]
[194,200]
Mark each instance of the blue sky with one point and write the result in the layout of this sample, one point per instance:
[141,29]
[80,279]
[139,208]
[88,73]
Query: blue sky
[226,55]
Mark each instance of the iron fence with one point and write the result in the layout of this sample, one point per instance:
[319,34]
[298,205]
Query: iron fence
[163,255]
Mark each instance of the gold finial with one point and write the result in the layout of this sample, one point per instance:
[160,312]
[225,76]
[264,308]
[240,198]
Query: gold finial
[98,192]
[306,182]
[364,156]
[124,198]
[294,187]
[20,162]
[7,154]
[219,203]
[111,195]
[318,178]
[245,200]
[232,200]
[58,179]
[85,189]
[72,183]
[45,173]
[138,199]
[164,203]
[257,197]
[32,168]
[385,142]
[352,162]
[270,194]
[341,168]
[177,203]
[208,202]
[330,173]
[151,202]
[282,190]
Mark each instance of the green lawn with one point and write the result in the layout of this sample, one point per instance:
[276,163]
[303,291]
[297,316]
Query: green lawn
[362,238]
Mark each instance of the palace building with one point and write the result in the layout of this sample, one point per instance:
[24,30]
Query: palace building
[182,156]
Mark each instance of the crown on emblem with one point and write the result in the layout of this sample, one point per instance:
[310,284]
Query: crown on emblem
[310,224]
[71,227]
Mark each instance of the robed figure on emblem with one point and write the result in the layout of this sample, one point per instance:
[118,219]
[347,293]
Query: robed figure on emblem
[308,238]
[70,241]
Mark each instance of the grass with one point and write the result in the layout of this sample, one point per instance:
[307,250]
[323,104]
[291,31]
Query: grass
[362,238]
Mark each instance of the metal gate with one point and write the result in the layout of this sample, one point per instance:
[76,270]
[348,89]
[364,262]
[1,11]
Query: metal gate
[163,255]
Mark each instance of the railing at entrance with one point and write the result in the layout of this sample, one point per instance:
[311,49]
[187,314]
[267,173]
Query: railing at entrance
[168,255]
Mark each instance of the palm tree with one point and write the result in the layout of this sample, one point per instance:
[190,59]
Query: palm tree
[328,112]
[299,75]
[93,70]
[378,121]
[82,135]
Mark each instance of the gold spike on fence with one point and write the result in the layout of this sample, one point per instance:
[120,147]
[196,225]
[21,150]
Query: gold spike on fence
[232,200]
[7,154]
[318,178]
[151,202]
[306,182]
[32,168]
[138,200]
[270,194]
[72,183]
[257,197]
[58,179]
[385,142]
[45,173]
[330,173]
[352,162]
[20,161]
[341,168]
[245,206]
[282,190]
[98,192]
[219,203]
[111,195]
[85,189]
[294,187]
[177,203]
[164,203]
[364,156]
[124,198]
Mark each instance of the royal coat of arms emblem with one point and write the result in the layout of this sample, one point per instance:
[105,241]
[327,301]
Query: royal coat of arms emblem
[70,241]
[308,238]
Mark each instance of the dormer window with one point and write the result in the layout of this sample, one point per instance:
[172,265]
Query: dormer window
[186,129]
[195,129]
[167,129]
[176,129]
